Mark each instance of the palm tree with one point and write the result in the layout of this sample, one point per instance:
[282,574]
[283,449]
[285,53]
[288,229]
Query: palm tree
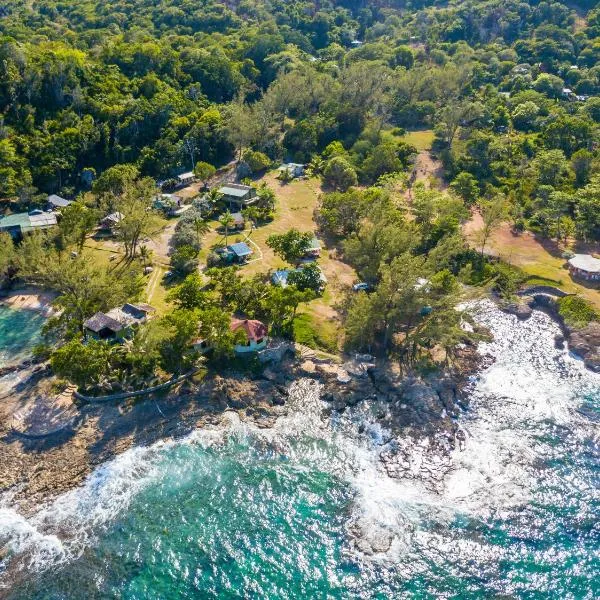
[226,220]
[201,226]
[145,255]
[213,196]
[252,214]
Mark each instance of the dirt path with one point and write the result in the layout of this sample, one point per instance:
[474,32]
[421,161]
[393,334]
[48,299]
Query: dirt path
[160,244]
[428,170]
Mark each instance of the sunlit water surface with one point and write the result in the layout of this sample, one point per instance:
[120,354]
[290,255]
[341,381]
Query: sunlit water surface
[19,333]
[241,512]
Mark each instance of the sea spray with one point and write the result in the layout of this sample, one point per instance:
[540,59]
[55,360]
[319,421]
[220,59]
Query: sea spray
[306,508]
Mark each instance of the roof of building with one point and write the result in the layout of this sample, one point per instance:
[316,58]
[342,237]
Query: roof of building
[36,219]
[58,201]
[102,321]
[235,190]
[118,318]
[585,262]
[15,220]
[41,219]
[240,249]
[280,277]
[255,330]
[185,176]
[115,217]
[315,244]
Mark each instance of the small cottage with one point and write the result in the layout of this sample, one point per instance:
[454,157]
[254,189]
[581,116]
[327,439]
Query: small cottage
[238,196]
[585,266]
[118,323]
[293,170]
[110,222]
[186,178]
[314,250]
[253,332]
[55,203]
[241,252]
[238,220]
[170,204]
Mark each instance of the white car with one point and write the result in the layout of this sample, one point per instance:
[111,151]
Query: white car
[363,286]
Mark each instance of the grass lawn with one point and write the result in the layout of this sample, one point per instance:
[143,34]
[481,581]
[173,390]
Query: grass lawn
[421,139]
[318,322]
[539,258]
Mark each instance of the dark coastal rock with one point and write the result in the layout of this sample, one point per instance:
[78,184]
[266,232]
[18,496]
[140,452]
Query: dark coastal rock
[592,361]
[559,341]
[370,538]
[521,310]
[585,341]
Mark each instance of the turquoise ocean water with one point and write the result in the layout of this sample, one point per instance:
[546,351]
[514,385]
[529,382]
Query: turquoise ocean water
[19,333]
[238,512]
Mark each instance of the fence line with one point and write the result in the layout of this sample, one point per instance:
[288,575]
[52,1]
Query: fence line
[144,392]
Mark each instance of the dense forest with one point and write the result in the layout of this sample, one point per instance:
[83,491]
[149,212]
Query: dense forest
[511,88]
[99,101]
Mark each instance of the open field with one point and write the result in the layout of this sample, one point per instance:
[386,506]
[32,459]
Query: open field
[421,139]
[538,258]
[296,204]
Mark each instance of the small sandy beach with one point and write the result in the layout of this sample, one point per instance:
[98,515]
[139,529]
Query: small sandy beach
[29,299]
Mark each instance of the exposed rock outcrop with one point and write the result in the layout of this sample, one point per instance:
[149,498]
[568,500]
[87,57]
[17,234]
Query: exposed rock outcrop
[586,343]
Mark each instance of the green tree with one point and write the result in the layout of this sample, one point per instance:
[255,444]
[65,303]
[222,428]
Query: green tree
[113,182]
[257,161]
[226,221]
[309,277]
[290,246]
[176,351]
[145,255]
[190,294]
[138,221]
[85,365]
[215,329]
[184,260]
[465,186]
[204,171]
[493,213]
[339,174]
[76,222]
[7,253]
[281,304]
[587,210]
[581,163]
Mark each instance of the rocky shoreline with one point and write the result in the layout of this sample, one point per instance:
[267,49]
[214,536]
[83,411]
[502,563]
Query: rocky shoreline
[409,410]
[582,341]
[33,471]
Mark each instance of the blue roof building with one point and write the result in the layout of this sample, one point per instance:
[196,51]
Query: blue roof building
[241,251]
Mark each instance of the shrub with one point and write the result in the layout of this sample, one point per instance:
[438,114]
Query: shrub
[576,311]
[184,260]
[257,161]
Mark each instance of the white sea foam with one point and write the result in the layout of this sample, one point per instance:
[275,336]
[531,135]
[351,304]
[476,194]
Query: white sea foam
[531,383]
[60,531]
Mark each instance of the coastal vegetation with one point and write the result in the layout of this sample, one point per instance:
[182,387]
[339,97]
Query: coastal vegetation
[411,123]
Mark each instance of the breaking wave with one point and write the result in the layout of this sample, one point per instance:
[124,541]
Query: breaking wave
[306,507]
